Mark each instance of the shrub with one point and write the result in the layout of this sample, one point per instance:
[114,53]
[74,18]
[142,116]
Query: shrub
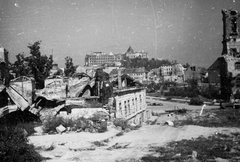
[51,122]
[99,143]
[195,101]
[211,93]
[170,93]
[190,93]
[120,123]
[14,146]
[29,127]
[168,98]
[119,134]
[18,116]
[124,125]
[80,123]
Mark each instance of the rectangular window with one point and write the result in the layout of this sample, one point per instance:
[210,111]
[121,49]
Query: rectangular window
[237,65]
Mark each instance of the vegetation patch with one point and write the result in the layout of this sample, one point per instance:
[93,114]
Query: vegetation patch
[195,101]
[51,122]
[50,148]
[203,149]
[120,123]
[212,118]
[14,146]
[120,134]
[99,143]
[119,146]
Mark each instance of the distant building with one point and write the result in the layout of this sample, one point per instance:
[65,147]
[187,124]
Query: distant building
[56,70]
[226,69]
[172,73]
[100,58]
[193,72]
[138,74]
[154,75]
[131,54]
[166,70]
[109,67]
[178,69]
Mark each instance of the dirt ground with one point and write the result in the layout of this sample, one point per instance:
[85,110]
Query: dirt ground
[108,147]
[131,145]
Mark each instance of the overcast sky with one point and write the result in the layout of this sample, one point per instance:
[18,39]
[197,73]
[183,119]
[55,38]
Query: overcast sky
[189,31]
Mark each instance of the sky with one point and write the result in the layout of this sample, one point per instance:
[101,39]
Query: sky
[189,31]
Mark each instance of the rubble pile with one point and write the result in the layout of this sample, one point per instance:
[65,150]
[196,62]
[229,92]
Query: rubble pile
[183,117]
[97,122]
[218,147]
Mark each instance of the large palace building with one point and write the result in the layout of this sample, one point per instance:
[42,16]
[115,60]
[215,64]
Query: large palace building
[100,58]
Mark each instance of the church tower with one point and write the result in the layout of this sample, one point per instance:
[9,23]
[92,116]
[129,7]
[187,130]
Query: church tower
[231,33]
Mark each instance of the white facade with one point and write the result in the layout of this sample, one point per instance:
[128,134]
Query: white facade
[166,70]
[132,106]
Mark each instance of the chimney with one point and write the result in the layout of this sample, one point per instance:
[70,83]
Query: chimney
[119,79]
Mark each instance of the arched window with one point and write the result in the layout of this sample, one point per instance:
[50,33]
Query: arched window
[237,65]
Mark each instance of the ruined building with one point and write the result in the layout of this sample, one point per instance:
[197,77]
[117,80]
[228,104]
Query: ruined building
[129,102]
[226,69]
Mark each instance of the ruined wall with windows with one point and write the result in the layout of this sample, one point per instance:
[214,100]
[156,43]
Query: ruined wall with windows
[130,105]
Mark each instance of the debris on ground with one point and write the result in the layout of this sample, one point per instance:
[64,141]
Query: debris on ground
[154,104]
[100,143]
[177,111]
[91,148]
[152,120]
[218,147]
[119,146]
[60,129]
[38,130]
[170,123]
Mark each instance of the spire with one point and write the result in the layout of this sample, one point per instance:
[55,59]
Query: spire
[130,50]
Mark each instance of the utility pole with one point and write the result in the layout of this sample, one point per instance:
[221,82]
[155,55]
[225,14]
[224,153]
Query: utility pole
[5,68]
[7,76]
